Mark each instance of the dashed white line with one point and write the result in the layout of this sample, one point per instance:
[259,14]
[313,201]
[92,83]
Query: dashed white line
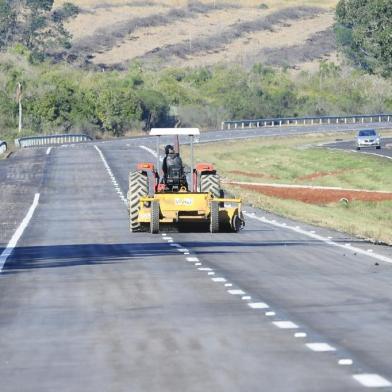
[192,259]
[285,325]
[228,284]
[246,298]
[236,292]
[270,314]
[372,380]
[18,233]
[211,273]
[219,280]
[258,305]
[345,362]
[183,250]
[205,269]
[300,335]
[48,150]
[320,347]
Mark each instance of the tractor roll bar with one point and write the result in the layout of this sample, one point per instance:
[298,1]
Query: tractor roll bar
[191,132]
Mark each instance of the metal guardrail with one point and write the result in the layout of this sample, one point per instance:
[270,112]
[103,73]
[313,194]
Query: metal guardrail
[3,147]
[34,141]
[320,120]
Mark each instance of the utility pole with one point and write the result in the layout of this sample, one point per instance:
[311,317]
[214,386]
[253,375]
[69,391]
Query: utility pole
[19,99]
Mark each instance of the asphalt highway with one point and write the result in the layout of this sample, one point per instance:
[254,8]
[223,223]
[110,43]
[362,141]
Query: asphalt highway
[385,151]
[87,306]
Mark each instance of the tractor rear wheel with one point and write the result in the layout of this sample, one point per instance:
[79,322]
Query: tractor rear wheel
[138,187]
[210,183]
[214,217]
[154,221]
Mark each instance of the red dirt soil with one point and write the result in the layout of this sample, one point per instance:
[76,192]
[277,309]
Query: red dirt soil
[316,196]
[255,175]
[315,175]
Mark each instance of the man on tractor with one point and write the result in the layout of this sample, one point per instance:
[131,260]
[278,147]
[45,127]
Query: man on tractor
[173,171]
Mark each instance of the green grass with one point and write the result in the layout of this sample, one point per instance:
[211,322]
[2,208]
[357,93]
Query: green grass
[288,160]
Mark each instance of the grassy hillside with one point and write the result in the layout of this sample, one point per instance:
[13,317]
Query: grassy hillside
[197,33]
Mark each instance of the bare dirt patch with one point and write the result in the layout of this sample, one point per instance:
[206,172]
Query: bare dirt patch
[255,175]
[313,176]
[316,195]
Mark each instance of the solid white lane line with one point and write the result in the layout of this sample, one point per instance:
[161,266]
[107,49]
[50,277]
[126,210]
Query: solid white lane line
[258,305]
[297,229]
[218,280]
[320,347]
[48,150]
[300,335]
[236,292]
[285,324]
[18,233]
[151,151]
[345,362]
[192,259]
[372,380]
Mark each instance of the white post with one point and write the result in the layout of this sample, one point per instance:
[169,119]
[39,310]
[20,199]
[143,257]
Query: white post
[19,98]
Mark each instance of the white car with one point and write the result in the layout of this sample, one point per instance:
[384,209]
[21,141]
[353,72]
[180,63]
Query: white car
[368,138]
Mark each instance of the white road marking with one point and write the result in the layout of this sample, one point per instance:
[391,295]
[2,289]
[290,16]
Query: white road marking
[372,380]
[228,284]
[109,170]
[205,269]
[297,229]
[345,362]
[246,297]
[196,264]
[377,155]
[176,245]
[18,233]
[320,347]
[152,152]
[285,325]
[168,238]
[183,250]
[48,150]
[300,335]
[258,305]
[270,314]
[236,292]
[219,280]
[192,259]
[211,273]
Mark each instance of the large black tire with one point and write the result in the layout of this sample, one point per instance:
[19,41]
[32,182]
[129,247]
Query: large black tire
[214,217]
[138,187]
[154,220]
[210,183]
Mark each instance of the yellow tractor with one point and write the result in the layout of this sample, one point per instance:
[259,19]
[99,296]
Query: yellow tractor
[160,199]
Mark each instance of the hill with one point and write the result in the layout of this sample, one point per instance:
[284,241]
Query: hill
[112,34]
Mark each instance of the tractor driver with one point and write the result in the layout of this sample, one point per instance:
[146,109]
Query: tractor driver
[173,170]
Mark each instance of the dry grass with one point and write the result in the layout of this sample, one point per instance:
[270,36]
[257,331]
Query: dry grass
[115,32]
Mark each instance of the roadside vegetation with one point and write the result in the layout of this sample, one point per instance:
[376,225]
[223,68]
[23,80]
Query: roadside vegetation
[298,161]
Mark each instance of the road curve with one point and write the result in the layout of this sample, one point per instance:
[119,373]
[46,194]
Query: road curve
[87,306]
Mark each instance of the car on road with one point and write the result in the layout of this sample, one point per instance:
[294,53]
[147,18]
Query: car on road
[368,138]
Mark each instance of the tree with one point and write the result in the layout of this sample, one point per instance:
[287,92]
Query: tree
[34,24]
[364,32]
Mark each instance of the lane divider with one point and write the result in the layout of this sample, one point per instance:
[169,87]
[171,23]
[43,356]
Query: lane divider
[18,233]
[111,175]
[370,380]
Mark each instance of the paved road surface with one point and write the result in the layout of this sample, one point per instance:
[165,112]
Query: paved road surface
[87,306]
[385,151]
